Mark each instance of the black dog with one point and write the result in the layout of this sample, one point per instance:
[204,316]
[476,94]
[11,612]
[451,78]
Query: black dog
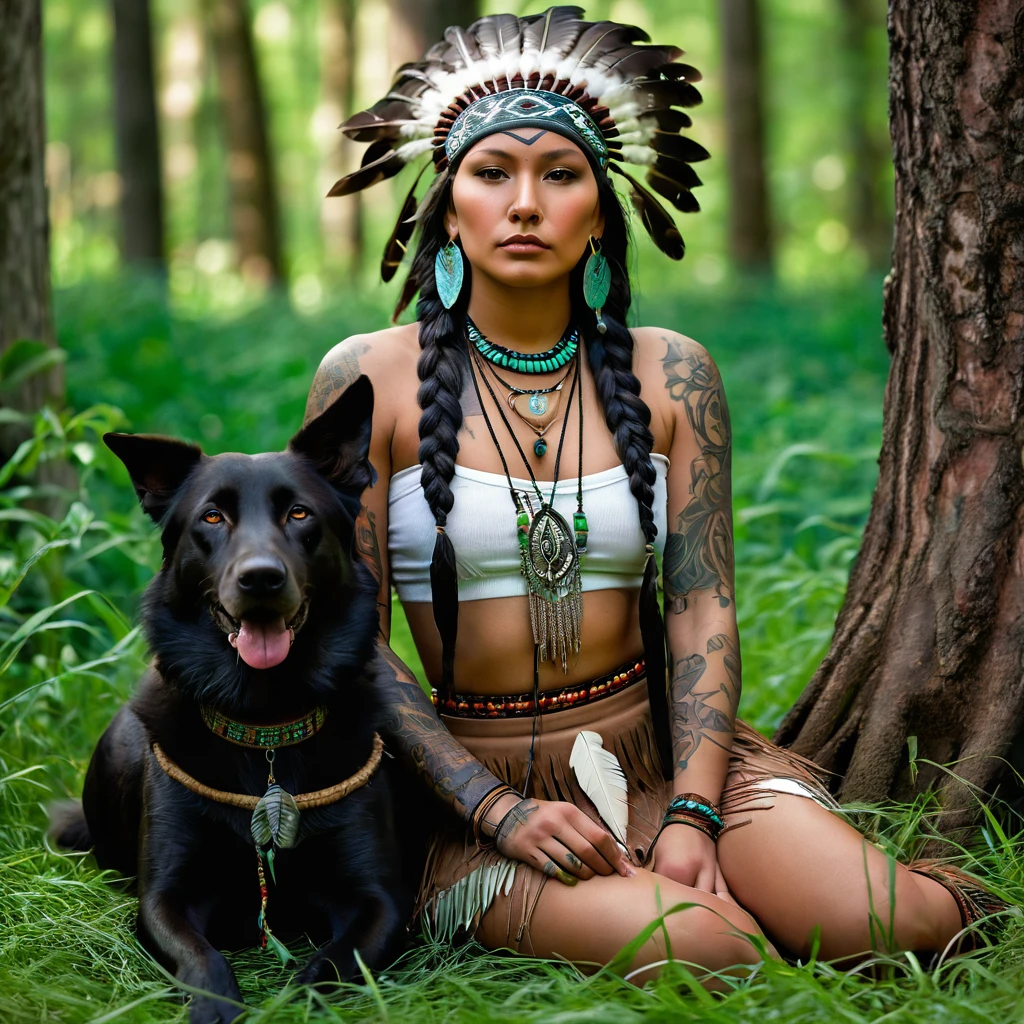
[259,614]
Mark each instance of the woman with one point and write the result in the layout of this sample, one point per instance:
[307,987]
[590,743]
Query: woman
[534,459]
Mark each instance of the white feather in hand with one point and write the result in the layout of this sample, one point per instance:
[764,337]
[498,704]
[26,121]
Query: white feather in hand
[601,777]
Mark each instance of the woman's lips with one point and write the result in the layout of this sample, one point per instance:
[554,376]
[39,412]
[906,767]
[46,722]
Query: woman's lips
[524,245]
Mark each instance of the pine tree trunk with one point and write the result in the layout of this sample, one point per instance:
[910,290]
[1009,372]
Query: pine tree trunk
[137,137]
[750,236]
[341,219]
[869,216]
[929,645]
[24,223]
[255,222]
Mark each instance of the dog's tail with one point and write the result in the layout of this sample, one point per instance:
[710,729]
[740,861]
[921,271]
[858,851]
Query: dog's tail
[68,827]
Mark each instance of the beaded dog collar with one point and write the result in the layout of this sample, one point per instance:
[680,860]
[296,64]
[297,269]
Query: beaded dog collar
[264,737]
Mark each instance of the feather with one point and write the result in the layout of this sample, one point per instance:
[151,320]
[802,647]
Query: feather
[496,34]
[367,127]
[674,191]
[630,62]
[380,162]
[461,905]
[655,217]
[668,120]
[654,93]
[601,38]
[395,250]
[601,777]
[678,147]
[676,70]
[553,32]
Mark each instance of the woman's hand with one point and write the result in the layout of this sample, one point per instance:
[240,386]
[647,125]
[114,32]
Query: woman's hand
[558,839]
[686,855]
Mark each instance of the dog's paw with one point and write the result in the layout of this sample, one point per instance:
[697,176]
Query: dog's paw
[325,968]
[210,1010]
[219,1000]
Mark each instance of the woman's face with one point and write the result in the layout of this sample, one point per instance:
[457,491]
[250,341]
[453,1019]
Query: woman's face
[524,182]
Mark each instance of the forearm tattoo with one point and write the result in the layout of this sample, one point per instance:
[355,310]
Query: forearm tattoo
[699,552]
[694,717]
[334,377]
[412,725]
[368,547]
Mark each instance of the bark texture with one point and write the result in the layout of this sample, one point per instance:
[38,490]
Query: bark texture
[137,136]
[255,217]
[929,641]
[750,234]
[24,224]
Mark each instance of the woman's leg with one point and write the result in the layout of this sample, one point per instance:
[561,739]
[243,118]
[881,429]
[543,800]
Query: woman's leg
[589,923]
[797,866]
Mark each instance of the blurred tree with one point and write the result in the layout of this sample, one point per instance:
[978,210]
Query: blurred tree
[342,219]
[255,218]
[869,219]
[24,222]
[750,234]
[138,137]
[421,23]
[925,664]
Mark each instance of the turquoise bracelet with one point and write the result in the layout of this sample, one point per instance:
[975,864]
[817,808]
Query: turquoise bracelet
[690,802]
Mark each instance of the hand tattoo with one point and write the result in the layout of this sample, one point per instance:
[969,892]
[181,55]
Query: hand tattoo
[699,553]
[515,818]
[573,861]
[694,718]
[552,870]
[334,377]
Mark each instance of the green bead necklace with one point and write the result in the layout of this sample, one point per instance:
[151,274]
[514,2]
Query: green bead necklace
[525,362]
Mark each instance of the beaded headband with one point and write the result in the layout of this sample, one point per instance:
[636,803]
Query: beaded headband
[591,82]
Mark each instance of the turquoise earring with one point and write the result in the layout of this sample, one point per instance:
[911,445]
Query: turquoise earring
[597,283]
[448,273]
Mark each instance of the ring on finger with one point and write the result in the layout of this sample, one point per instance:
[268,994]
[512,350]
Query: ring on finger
[552,870]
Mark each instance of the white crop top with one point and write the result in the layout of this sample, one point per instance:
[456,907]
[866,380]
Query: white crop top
[482,528]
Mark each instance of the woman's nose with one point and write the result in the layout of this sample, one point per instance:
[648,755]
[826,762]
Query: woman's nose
[525,207]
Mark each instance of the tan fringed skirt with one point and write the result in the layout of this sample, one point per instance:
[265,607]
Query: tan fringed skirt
[460,881]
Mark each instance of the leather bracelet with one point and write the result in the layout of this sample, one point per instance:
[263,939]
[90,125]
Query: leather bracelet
[479,815]
[696,823]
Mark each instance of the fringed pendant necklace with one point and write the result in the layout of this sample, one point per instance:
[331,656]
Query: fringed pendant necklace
[550,550]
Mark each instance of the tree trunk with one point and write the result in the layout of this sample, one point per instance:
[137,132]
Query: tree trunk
[341,219]
[421,23]
[255,223]
[24,224]
[869,216]
[928,646]
[137,137]
[750,236]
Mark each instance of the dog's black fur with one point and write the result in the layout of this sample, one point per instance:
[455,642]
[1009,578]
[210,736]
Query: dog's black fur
[263,562]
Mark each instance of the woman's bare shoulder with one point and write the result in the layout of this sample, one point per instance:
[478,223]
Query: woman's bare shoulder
[659,344]
[381,355]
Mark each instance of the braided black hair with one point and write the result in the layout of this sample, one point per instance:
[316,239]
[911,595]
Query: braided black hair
[442,368]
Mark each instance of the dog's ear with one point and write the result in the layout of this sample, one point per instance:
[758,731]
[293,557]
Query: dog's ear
[158,466]
[338,440]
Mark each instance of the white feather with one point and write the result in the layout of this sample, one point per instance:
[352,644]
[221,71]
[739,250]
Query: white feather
[601,777]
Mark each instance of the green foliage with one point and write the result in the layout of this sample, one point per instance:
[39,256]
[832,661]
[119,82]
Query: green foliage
[804,378]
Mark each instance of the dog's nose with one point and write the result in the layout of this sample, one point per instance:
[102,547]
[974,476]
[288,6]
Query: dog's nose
[261,575]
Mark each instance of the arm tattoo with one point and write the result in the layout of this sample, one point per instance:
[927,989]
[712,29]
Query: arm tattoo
[412,724]
[694,718]
[334,377]
[366,543]
[699,553]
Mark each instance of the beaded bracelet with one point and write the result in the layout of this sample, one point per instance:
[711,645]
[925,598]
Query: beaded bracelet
[484,842]
[694,822]
[694,803]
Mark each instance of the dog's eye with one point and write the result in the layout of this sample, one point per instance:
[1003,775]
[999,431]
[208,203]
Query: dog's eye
[212,516]
[298,512]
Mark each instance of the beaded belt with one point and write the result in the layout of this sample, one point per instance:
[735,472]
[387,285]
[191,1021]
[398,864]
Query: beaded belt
[468,705]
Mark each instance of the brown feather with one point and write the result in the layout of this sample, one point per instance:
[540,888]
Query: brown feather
[681,173]
[630,62]
[667,120]
[554,31]
[678,147]
[656,219]
[397,244]
[601,38]
[676,70]
[675,192]
[380,162]
[656,93]
[496,34]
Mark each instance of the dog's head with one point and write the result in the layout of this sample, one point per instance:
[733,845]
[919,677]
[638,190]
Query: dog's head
[257,564]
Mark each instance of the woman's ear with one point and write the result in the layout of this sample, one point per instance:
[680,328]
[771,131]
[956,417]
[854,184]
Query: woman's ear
[451,224]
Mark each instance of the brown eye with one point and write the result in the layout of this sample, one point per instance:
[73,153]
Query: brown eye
[298,512]
[212,516]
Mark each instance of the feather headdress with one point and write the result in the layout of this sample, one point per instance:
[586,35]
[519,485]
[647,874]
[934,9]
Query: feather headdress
[593,81]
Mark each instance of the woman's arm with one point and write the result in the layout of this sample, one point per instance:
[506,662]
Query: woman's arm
[412,724]
[700,608]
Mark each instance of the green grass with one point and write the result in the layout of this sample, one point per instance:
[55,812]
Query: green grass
[805,378]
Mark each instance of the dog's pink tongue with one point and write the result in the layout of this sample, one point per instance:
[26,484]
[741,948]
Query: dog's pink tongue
[262,644]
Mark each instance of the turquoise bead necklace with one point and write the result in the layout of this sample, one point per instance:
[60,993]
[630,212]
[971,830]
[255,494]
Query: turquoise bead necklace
[525,362]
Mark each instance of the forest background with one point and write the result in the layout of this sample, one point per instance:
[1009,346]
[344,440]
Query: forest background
[782,282]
